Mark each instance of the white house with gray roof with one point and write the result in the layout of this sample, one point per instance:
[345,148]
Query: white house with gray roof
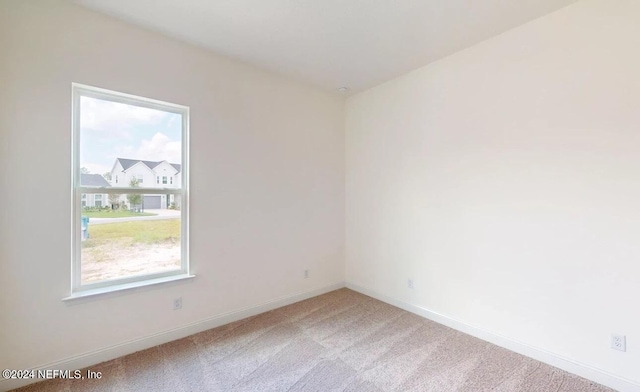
[149,174]
[94,199]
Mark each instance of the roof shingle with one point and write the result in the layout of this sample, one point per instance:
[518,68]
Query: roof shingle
[127,163]
[93,180]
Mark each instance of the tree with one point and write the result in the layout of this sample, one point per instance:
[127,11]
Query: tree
[135,200]
[114,199]
[84,170]
[107,176]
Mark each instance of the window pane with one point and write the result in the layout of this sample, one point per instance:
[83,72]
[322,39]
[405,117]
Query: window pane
[123,143]
[128,146]
[128,239]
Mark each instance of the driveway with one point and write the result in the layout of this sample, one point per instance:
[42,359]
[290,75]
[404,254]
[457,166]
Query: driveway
[161,215]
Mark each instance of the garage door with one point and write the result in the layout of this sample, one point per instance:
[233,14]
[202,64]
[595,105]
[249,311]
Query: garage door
[152,202]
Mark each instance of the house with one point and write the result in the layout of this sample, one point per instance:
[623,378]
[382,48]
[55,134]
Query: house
[94,199]
[474,162]
[149,174]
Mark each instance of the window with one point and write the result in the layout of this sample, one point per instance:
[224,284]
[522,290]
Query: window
[171,180]
[158,180]
[127,251]
[164,179]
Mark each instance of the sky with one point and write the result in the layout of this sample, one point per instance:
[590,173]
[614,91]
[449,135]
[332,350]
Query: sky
[110,130]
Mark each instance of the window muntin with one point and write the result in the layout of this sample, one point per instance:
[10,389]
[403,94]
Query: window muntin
[94,266]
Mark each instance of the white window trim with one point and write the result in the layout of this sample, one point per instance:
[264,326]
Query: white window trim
[78,289]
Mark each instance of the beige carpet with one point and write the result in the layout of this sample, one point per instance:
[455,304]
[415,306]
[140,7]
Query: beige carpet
[340,341]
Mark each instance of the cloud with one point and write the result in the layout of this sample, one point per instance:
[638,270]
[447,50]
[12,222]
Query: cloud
[116,118]
[96,168]
[159,148]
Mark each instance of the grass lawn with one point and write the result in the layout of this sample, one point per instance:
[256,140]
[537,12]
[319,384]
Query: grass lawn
[131,233]
[114,214]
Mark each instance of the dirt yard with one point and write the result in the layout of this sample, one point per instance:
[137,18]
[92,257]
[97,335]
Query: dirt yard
[109,262]
[118,250]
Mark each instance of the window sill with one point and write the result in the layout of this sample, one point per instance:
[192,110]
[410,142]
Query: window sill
[126,286]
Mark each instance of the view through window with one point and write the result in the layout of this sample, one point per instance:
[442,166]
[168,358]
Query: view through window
[128,225]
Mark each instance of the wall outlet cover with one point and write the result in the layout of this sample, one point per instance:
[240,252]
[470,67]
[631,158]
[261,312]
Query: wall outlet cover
[618,342]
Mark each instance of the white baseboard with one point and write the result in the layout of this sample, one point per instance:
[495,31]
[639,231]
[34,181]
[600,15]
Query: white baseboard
[571,366]
[132,346]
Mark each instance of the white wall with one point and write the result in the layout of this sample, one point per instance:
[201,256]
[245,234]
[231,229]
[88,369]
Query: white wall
[91,200]
[505,180]
[165,170]
[267,181]
[139,171]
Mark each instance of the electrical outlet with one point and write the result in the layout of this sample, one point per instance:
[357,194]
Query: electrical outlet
[618,342]
[177,303]
[306,274]
[410,283]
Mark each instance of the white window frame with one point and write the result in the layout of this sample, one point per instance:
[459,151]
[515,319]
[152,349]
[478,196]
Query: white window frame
[77,288]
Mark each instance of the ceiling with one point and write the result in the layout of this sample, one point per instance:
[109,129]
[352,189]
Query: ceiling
[331,43]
